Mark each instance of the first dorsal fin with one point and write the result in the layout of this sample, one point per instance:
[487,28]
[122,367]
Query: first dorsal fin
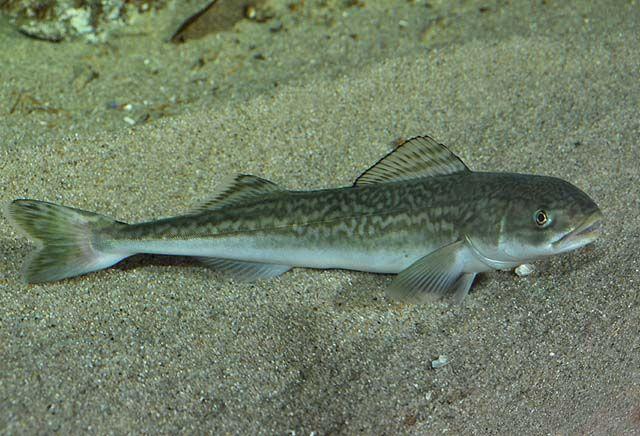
[240,189]
[415,158]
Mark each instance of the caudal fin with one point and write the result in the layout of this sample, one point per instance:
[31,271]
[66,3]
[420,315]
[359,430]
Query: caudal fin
[68,240]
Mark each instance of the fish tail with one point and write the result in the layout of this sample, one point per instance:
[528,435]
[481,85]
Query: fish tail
[68,239]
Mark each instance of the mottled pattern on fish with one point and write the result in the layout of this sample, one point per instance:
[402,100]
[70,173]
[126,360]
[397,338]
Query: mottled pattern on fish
[429,212]
[419,209]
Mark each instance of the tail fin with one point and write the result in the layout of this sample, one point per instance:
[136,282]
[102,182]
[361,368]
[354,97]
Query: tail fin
[68,240]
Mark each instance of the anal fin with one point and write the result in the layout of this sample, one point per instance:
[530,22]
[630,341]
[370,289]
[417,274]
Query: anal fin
[245,271]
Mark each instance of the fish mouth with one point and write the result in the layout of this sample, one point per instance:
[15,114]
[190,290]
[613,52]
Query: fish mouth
[585,233]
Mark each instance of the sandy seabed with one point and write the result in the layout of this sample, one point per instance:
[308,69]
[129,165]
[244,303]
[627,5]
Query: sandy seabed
[164,345]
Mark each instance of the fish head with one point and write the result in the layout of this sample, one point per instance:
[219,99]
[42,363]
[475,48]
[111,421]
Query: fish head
[546,216]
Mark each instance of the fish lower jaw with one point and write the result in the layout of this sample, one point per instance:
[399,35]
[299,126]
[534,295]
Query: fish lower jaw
[576,241]
[578,238]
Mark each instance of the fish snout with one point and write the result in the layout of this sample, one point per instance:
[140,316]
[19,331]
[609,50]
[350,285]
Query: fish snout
[585,233]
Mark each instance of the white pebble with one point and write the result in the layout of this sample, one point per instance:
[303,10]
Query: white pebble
[439,362]
[524,270]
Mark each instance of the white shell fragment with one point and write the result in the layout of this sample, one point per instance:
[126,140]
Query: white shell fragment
[439,362]
[524,270]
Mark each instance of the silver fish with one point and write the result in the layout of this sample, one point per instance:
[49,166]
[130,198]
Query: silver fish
[419,212]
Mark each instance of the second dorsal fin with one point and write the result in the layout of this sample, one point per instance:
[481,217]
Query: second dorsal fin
[415,158]
[240,189]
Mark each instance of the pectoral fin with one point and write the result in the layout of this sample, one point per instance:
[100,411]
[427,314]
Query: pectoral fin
[461,287]
[438,274]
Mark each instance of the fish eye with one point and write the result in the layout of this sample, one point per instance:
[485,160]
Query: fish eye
[541,218]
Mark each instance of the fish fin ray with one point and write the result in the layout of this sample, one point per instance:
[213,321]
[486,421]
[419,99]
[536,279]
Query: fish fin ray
[245,271]
[461,287]
[67,239]
[437,275]
[240,189]
[415,158]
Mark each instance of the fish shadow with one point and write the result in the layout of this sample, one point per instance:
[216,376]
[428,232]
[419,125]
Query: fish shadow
[572,263]
[361,289]
[144,260]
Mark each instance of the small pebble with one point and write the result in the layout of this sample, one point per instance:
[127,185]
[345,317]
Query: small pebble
[439,362]
[524,270]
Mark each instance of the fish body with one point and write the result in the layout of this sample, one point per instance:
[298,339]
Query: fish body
[419,212]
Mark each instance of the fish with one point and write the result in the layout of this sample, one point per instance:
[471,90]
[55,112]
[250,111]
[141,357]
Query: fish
[419,212]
